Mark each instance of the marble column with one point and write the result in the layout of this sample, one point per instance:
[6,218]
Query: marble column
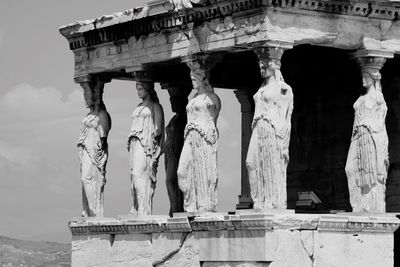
[198,167]
[145,144]
[93,148]
[174,142]
[245,98]
[268,153]
[368,160]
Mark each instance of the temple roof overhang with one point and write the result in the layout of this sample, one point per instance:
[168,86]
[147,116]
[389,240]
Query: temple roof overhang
[163,33]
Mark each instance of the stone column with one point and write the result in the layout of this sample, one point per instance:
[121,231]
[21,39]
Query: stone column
[93,148]
[268,152]
[174,142]
[368,160]
[198,167]
[245,98]
[145,144]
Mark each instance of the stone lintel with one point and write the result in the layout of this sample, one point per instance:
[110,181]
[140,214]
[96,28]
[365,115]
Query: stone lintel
[347,222]
[273,43]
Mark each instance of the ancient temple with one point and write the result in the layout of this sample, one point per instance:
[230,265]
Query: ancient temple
[322,48]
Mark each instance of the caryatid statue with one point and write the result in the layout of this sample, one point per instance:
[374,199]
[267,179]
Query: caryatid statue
[93,149]
[197,170]
[268,153]
[173,145]
[368,161]
[145,146]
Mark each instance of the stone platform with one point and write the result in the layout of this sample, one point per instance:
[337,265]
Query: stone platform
[244,239]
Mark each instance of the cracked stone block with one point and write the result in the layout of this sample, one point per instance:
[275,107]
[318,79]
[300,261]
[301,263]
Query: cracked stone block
[93,250]
[188,255]
[132,250]
[165,245]
[290,250]
[307,239]
[352,249]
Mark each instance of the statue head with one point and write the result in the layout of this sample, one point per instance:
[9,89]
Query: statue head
[145,89]
[371,78]
[268,68]
[199,75]
[269,61]
[93,93]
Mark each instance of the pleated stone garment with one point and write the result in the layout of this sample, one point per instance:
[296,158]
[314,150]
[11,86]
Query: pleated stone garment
[368,160]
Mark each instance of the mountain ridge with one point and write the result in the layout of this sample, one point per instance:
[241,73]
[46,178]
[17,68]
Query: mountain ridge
[15,252]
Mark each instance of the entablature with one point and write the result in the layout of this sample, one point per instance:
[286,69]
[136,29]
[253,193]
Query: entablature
[136,39]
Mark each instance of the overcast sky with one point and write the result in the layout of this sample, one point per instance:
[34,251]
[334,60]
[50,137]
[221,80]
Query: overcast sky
[41,109]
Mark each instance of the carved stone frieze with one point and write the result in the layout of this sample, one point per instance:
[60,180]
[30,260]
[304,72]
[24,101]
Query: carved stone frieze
[137,23]
[358,224]
[347,223]
[252,221]
[180,224]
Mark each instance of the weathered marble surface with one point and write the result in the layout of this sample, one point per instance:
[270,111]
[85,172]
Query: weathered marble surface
[368,160]
[93,149]
[225,26]
[197,170]
[253,239]
[145,145]
[268,153]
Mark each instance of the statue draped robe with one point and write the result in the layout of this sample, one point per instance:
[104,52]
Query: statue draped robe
[197,171]
[368,160]
[93,154]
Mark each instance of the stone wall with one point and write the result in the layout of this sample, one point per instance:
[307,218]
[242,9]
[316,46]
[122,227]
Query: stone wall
[247,239]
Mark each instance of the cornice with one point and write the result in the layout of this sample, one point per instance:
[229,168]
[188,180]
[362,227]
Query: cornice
[159,16]
[346,222]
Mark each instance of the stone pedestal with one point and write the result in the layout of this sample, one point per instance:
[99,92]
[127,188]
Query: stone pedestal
[248,239]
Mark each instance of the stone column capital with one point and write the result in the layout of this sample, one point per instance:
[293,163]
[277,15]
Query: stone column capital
[177,89]
[362,53]
[372,60]
[142,76]
[201,61]
[92,78]
[244,99]
[271,49]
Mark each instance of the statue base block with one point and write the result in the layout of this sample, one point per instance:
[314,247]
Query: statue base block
[247,239]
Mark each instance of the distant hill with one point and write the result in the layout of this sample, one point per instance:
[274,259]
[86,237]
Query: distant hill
[15,252]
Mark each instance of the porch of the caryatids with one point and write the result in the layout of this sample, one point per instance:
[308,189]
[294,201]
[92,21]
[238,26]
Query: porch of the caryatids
[174,142]
[145,145]
[368,160]
[93,147]
[268,152]
[197,170]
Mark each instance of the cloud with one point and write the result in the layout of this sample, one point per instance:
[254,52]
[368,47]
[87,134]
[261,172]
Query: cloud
[25,103]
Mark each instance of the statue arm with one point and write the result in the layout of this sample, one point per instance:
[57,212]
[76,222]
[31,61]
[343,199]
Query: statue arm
[217,106]
[104,124]
[103,129]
